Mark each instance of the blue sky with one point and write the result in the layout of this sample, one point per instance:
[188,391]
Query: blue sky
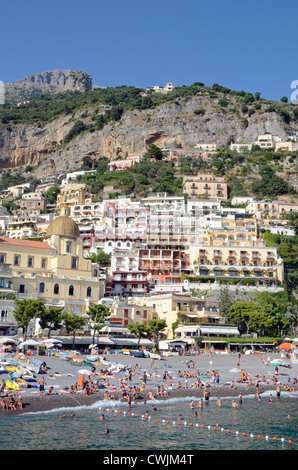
[249,46]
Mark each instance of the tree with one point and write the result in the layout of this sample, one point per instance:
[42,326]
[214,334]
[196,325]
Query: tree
[291,316]
[154,151]
[288,252]
[78,127]
[225,302]
[98,314]
[284,99]
[155,326]
[51,194]
[72,323]
[52,319]
[138,329]
[27,309]
[292,218]
[101,258]
[242,313]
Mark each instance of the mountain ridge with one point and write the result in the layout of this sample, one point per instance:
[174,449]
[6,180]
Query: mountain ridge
[54,133]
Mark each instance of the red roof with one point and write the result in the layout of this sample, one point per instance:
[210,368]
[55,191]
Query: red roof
[28,243]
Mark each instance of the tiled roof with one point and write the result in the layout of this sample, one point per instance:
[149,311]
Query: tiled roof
[28,243]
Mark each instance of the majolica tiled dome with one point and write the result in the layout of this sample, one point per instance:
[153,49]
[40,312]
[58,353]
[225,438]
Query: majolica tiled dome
[63,225]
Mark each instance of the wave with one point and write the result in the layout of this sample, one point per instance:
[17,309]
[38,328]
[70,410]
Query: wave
[116,404]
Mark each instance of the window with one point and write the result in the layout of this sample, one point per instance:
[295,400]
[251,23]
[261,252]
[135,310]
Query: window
[30,261]
[22,289]
[4,315]
[16,260]
[70,290]
[2,258]
[41,288]
[68,247]
[56,289]
[74,262]
[88,291]
[43,262]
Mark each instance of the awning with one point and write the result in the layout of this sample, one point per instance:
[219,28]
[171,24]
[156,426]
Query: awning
[114,329]
[132,342]
[219,330]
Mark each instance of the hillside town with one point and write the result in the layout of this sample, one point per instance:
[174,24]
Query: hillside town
[163,257]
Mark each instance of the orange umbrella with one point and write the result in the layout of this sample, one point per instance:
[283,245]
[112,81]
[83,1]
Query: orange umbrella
[286,346]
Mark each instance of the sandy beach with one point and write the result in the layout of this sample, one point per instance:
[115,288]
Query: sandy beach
[61,374]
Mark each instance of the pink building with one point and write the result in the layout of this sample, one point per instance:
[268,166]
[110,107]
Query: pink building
[118,165]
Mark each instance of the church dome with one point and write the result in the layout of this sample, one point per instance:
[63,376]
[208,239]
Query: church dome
[63,225]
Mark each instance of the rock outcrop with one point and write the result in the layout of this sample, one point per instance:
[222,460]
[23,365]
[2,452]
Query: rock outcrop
[54,81]
[167,125]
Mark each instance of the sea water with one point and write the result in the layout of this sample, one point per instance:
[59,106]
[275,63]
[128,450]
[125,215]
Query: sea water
[267,426]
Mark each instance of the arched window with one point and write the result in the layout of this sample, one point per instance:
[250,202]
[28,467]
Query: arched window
[88,291]
[70,290]
[41,288]
[56,289]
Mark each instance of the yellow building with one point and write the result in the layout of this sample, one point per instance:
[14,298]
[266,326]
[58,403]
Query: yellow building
[73,194]
[172,307]
[55,269]
[257,262]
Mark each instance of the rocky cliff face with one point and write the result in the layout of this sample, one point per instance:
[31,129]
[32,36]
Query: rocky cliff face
[165,126]
[55,81]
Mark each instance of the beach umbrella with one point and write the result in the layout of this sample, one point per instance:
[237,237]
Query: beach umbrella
[286,346]
[7,340]
[52,341]
[29,342]
[276,363]
[84,372]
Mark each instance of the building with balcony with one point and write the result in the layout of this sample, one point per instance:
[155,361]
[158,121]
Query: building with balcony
[123,312]
[205,184]
[270,209]
[73,195]
[172,307]
[127,284]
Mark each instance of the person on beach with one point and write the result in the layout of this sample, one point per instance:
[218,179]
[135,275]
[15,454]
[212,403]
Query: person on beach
[191,405]
[3,404]
[232,385]
[278,391]
[270,398]
[41,386]
[19,403]
[150,395]
[206,394]
[240,398]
